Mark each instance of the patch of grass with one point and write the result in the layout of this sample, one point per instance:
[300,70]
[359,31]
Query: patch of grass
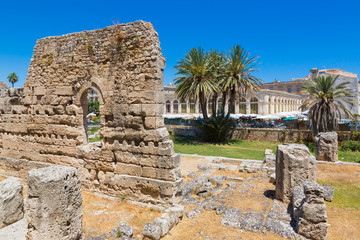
[119,234]
[94,130]
[348,156]
[98,139]
[346,194]
[231,149]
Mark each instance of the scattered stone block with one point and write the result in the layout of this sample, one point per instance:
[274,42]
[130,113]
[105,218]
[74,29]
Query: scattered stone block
[294,166]
[270,160]
[312,220]
[251,221]
[328,193]
[327,146]
[161,226]
[231,217]
[11,201]
[217,180]
[54,203]
[126,230]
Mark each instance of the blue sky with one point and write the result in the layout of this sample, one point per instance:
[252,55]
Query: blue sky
[289,36]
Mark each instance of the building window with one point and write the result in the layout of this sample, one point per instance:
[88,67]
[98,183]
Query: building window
[176,106]
[289,90]
[254,106]
[168,106]
[183,106]
[242,106]
[220,105]
[192,105]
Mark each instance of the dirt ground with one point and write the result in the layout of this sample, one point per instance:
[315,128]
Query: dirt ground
[103,214]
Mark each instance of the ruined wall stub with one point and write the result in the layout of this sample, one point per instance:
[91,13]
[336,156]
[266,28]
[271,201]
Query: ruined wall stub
[44,123]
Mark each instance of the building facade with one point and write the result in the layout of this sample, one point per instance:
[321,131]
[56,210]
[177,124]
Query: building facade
[262,102]
[272,98]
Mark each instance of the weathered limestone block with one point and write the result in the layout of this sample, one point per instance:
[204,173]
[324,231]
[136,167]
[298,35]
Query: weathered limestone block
[54,205]
[312,220]
[294,166]
[11,201]
[327,146]
[161,226]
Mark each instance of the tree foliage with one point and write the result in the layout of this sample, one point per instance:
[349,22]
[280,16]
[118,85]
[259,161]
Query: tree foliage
[205,76]
[93,107]
[13,78]
[325,100]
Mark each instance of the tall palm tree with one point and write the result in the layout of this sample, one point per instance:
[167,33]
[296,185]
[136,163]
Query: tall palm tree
[324,102]
[13,78]
[238,78]
[196,77]
[218,60]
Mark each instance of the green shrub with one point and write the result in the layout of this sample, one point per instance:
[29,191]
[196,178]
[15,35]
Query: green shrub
[355,136]
[216,129]
[311,146]
[350,145]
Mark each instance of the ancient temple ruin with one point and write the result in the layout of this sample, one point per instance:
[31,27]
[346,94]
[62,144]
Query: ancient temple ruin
[44,123]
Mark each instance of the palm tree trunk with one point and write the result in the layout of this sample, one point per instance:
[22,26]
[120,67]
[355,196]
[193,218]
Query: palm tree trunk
[231,102]
[223,104]
[203,106]
[214,104]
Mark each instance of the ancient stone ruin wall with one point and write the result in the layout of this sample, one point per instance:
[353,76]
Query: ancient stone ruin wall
[45,123]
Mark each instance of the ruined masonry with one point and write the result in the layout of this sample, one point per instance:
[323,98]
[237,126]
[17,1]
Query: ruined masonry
[327,146]
[11,201]
[294,166]
[54,204]
[44,123]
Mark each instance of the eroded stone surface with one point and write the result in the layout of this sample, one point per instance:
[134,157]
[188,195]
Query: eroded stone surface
[294,166]
[327,146]
[11,201]
[312,219]
[54,204]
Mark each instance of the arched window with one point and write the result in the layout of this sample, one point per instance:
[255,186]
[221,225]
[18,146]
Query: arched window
[192,105]
[91,116]
[242,106]
[254,106]
[183,106]
[176,106]
[168,106]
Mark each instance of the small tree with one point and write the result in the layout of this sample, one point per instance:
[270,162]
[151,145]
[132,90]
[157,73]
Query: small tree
[13,78]
[324,102]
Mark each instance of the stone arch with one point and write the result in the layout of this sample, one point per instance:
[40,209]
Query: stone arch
[96,85]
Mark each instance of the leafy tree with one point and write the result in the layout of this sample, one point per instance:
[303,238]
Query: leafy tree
[93,107]
[196,77]
[237,76]
[13,78]
[324,102]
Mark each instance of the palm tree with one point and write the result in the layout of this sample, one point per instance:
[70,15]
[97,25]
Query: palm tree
[324,102]
[238,78]
[196,77]
[13,78]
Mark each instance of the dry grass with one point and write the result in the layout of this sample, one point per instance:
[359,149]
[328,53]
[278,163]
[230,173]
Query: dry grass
[103,214]
[344,212]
